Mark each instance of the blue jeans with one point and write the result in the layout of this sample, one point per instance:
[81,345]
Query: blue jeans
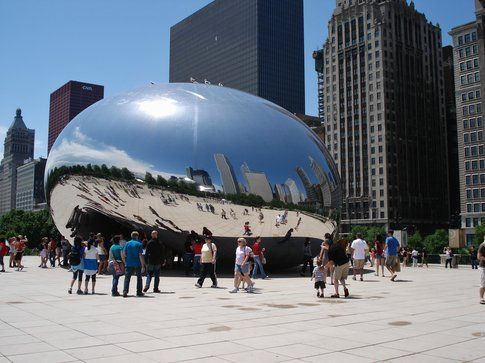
[114,287]
[475,264]
[197,265]
[258,265]
[129,271]
[188,262]
[153,271]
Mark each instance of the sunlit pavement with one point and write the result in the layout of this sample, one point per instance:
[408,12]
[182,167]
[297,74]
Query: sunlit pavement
[430,315]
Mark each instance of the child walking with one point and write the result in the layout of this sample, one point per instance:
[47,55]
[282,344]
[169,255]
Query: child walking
[319,276]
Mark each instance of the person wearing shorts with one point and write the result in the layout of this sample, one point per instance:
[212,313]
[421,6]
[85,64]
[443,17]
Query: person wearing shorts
[338,258]
[241,267]
[359,248]
[392,261]
[19,252]
[481,258]
[77,270]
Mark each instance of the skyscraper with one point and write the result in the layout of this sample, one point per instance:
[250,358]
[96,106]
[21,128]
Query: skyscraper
[30,185]
[382,101]
[452,139]
[228,177]
[294,191]
[255,46]
[469,60]
[67,102]
[18,146]
[258,183]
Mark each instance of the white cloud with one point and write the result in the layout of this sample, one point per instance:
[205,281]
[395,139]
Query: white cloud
[3,133]
[83,150]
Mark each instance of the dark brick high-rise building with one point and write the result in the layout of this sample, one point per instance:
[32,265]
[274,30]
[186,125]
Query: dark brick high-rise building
[255,46]
[452,136]
[67,102]
[381,97]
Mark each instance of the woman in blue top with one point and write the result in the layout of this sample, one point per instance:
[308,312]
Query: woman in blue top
[76,260]
[115,258]
[90,266]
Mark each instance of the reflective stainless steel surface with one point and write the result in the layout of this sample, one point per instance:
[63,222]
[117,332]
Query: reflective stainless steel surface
[144,159]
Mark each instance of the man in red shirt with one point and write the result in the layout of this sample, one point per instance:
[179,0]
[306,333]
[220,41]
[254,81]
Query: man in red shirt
[258,253]
[52,252]
[197,256]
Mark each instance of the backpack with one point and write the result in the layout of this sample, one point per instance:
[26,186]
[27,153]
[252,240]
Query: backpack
[74,257]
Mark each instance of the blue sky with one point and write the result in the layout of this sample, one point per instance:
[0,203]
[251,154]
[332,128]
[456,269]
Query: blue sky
[124,44]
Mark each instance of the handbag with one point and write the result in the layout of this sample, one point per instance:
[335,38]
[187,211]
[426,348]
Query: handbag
[116,268]
[263,259]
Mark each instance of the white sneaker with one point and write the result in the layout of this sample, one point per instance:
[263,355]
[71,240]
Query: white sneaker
[233,291]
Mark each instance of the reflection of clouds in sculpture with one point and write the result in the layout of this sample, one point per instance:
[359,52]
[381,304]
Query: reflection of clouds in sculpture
[88,151]
[158,108]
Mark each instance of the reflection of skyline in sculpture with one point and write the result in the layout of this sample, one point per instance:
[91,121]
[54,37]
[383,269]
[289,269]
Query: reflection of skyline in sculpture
[323,182]
[283,193]
[228,177]
[296,195]
[311,193]
[200,176]
[258,183]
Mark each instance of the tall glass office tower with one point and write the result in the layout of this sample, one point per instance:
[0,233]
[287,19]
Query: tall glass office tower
[255,46]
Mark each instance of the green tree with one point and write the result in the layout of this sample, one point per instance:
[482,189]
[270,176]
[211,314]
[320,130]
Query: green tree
[149,179]
[479,234]
[435,242]
[416,241]
[34,225]
[161,181]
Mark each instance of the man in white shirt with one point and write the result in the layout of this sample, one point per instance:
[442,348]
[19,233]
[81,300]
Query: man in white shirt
[358,248]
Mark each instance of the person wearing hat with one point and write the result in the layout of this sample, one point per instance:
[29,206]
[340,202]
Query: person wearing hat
[208,261]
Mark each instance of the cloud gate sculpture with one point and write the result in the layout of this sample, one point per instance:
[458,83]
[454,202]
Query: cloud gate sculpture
[180,157]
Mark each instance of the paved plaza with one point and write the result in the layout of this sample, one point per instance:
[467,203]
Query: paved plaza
[428,315]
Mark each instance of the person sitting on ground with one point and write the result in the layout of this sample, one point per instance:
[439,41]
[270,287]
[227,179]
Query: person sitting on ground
[337,257]
[319,276]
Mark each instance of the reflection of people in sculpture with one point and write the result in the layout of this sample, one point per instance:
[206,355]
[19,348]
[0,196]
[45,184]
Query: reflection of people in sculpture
[278,219]
[261,217]
[287,236]
[246,212]
[247,229]
[206,232]
[298,224]
[223,214]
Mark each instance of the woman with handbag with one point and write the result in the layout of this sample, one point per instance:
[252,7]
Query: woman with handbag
[116,266]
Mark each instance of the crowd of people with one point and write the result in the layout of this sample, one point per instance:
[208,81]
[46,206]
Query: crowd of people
[141,257]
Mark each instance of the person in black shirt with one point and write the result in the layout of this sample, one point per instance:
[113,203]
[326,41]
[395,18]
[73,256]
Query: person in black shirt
[337,257]
[154,259]
[474,257]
